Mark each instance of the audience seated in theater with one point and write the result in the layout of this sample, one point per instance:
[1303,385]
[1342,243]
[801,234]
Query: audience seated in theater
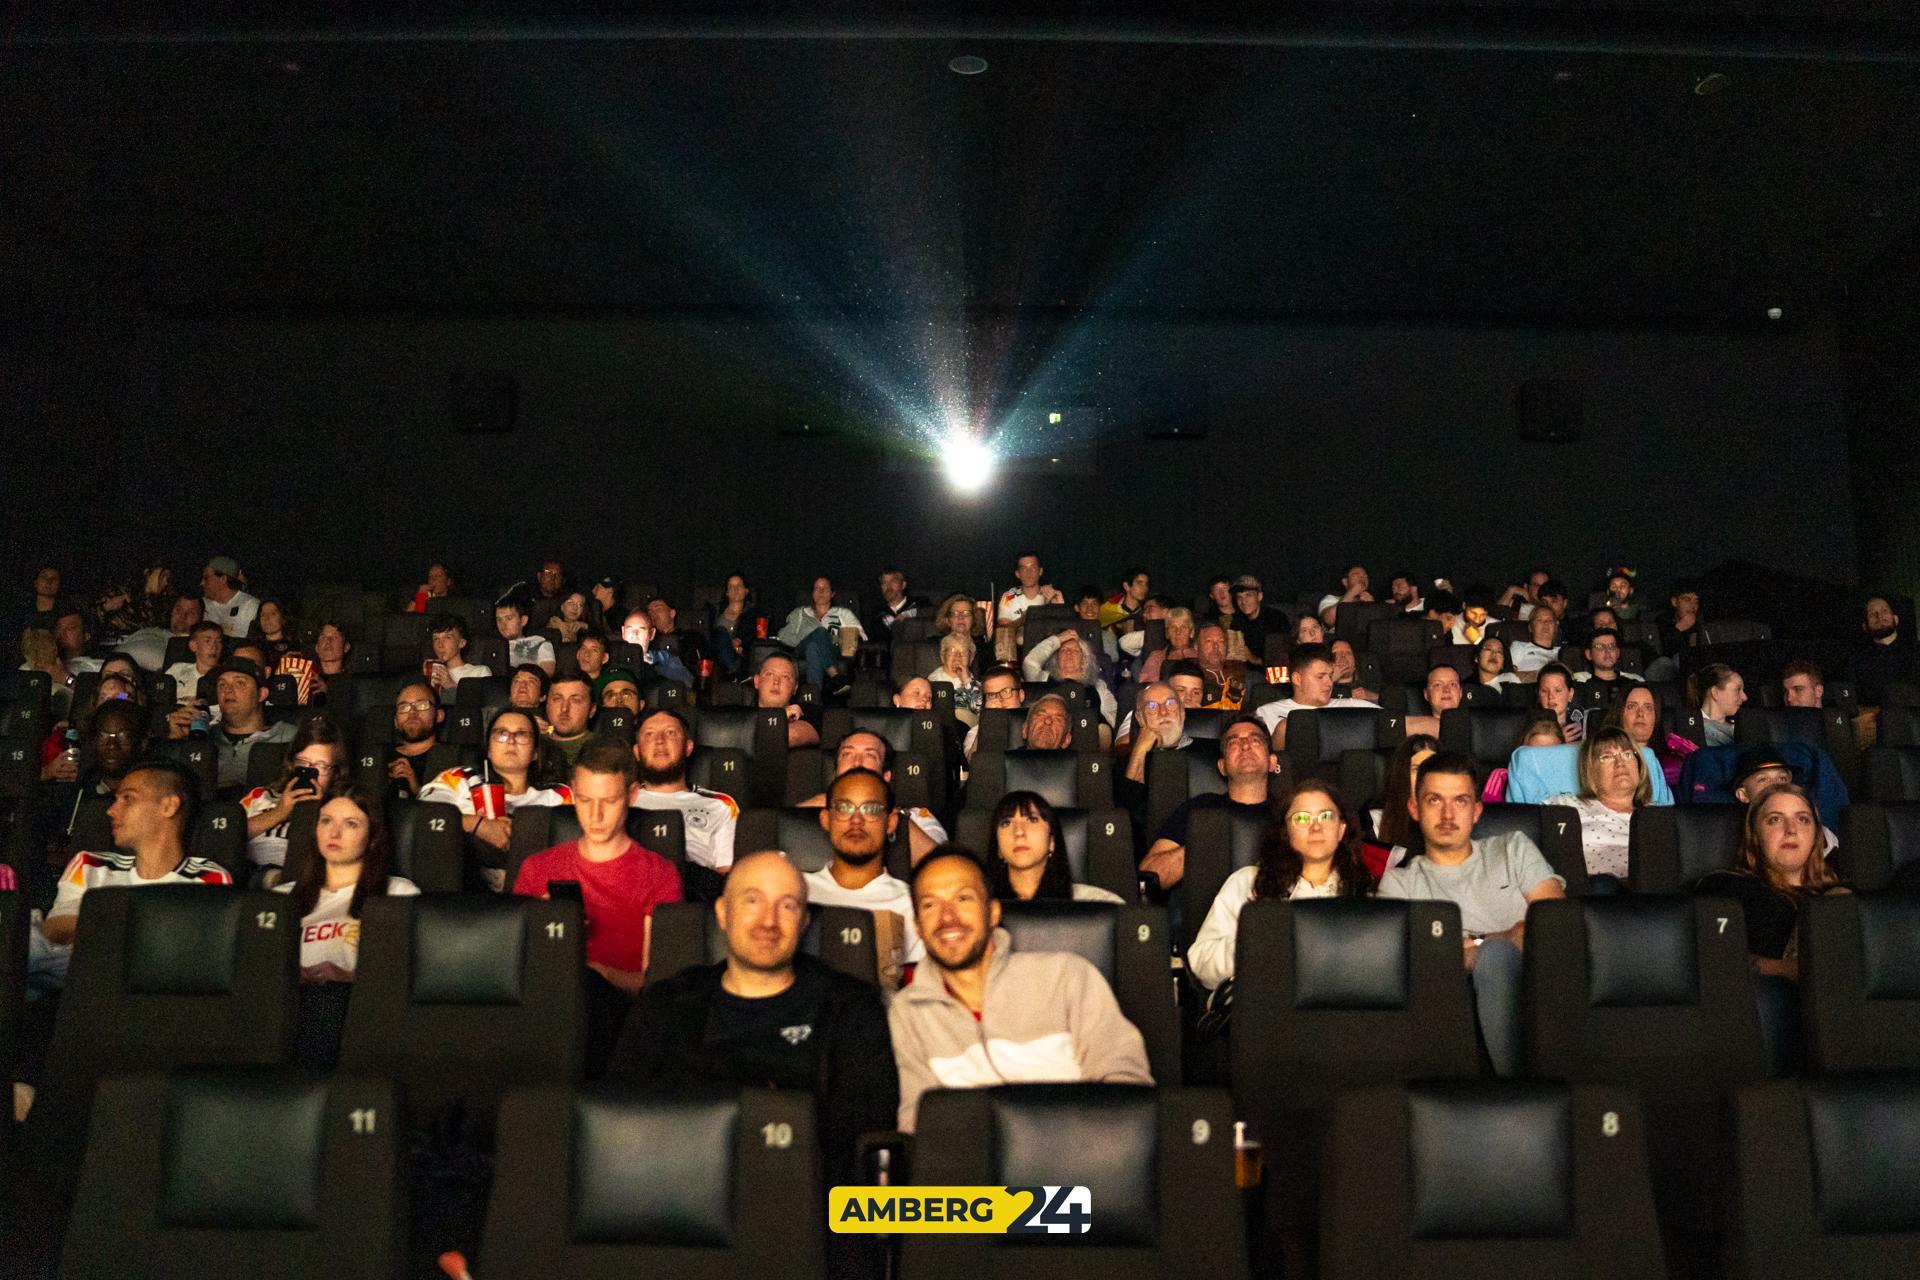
[737,621]
[1885,655]
[1049,724]
[1312,850]
[1346,671]
[1553,693]
[1001,689]
[1393,821]
[894,605]
[774,686]
[1490,666]
[1122,609]
[569,620]
[1403,589]
[662,745]
[621,882]
[1541,646]
[1246,762]
[1718,691]
[1030,588]
[1613,783]
[865,749]
[1518,599]
[1443,607]
[151,814]
[956,669]
[1491,880]
[859,820]
[272,630]
[331,645]
[1217,606]
[72,639]
[769,1016]
[638,630]
[1762,768]
[449,666]
[591,655]
[1354,587]
[1443,692]
[1181,632]
[979,1014]
[685,647]
[1028,858]
[823,635]
[1066,657]
[437,587]
[550,587]
[1225,678]
[315,768]
[1603,659]
[1086,607]
[510,619]
[112,738]
[569,708]
[915,694]
[355,863]
[515,764]
[241,689]
[1553,595]
[1620,595]
[1158,723]
[222,599]
[1676,628]
[527,690]
[1311,674]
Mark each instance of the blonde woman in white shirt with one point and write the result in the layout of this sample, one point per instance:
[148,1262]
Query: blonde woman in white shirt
[1613,783]
[1312,850]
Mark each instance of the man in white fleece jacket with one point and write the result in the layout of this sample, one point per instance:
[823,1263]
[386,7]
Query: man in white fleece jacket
[977,1014]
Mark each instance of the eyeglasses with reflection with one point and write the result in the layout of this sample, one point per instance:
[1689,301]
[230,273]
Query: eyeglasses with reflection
[1615,755]
[508,737]
[1303,819]
[865,808]
[413,706]
[1160,704]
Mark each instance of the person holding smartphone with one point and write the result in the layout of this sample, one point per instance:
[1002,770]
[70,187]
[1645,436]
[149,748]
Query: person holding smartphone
[315,769]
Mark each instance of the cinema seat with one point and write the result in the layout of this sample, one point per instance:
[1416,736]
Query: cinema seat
[1068,779]
[601,1183]
[1877,841]
[241,1172]
[1649,992]
[1488,734]
[1860,982]
[540,827]
[760,736]
[1488,1177]
[428,839]
[461,997]
[1669,847]
[1099,845]
[1219,843]
[1158,1164]
[1827,1179]
[1174,777]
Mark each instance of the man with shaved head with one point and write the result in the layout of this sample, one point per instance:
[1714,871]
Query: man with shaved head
[769,1016]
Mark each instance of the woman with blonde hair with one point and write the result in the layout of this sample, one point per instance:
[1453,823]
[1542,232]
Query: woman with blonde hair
[1181,630]
[1614,782]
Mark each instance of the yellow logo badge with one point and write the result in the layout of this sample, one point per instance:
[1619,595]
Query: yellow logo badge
[960,1210]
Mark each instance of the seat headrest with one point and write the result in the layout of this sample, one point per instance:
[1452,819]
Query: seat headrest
[468,949]
[803,840]
[1350,953]
[1642,950]
[1345,729]
[243,1150]
[1101,1137]
[1245,832]
[1903,832]
[727,727]
[1490,1160]
[1504,819]
[894,724]
[1205,723]
[653,1170]
[1864,1132]
[1083,928]
[1707,838]
[181,940]
[1493,732]
[1890,945]
[1073,831]
[1054,774]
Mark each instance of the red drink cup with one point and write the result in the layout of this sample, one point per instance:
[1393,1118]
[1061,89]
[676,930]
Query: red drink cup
[706,669]
[759,628]
[490,799]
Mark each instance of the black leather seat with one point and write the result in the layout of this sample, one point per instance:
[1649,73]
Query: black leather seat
[1004,728]
[1099,845]
[1401,643]
[918,742]
[1068,779]
[1321,737]
[1650,992]
[1129,946]
[1487,733]
[760,736]
[1173,777]
[1669,847]
[1877,841]
[461,997]
[1554,830]
[1219,843]
[688,934]
[13,983]
[1892,774]
[429,842]
[1860,981]
[1158,1165]
[604,1183]
[1332,995]
[1353,620]
[1827,1177]
[1527,1178]
[262,1171]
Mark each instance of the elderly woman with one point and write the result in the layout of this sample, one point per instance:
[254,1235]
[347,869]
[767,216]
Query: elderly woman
[1067,657]
[1613,783]
[956,669]
[1181,633]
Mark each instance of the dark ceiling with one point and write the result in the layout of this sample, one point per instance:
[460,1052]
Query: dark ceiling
[1506,163]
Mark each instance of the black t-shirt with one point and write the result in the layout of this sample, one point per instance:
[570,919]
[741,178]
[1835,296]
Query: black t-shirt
[767,1040]
[1770,915]
[1175,827]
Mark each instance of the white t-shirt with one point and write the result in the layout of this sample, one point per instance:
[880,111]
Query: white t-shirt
[883,893]
[527,649]
[1581,677]
[329,935]
[803,622]
[1210,958]
[1014,603]
[1274,712]
[186,679]
[101,870]
[235,616]
[1505,677]
[708,818]
[469,671]
[1603,834]
[455,787]
[269,848]
[1525,655]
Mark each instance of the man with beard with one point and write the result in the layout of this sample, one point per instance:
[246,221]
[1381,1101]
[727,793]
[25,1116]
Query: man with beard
[865,749]
[1158,723]
[979,1014]
[767,1015]
[1246,762]
[859,820]
[661,744]
[1493,881]
[416,719]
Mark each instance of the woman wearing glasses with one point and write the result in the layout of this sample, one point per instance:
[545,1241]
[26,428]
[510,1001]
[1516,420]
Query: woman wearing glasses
[1613,783]
[1312,851]
[315,769]
[515,767]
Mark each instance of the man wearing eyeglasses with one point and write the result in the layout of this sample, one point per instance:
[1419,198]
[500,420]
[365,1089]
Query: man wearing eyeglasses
[1246,762]
[416,720]
[859,820]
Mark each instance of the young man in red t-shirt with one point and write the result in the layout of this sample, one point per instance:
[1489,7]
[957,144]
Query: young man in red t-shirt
[620,882]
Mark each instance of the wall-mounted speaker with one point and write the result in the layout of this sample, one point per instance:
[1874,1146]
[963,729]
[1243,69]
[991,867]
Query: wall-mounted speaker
[1551,411]
[482,402]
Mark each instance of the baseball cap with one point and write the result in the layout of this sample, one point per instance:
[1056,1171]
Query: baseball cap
[1754,759]
[1246,582]
[225,566]
[239,666]
[612,674]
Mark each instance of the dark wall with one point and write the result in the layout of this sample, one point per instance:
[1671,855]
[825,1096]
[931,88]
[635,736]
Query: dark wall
[1881,366]
[323,450]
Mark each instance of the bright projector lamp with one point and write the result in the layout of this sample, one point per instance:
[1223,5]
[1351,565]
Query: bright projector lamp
[968,463]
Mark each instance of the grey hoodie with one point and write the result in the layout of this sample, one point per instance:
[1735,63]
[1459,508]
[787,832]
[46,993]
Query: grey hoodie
[1047,1017]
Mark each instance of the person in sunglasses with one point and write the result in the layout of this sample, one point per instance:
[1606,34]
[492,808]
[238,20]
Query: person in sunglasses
[859,820]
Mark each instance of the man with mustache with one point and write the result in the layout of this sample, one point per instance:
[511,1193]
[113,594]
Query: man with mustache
[1492,881]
